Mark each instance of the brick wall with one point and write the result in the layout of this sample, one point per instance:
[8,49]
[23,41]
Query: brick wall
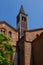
[7,28]
[20,51]
[37,50]
[27,53]
[31,35]
[14,36]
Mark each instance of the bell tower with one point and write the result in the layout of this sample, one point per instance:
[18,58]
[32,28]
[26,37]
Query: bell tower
[21,22]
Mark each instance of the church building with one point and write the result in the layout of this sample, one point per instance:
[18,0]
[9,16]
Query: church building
[28,43]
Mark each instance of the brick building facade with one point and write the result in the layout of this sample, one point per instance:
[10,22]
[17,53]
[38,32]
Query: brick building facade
[28,43]
[8,30]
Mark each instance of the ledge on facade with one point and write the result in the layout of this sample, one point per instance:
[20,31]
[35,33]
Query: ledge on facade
[38,37]
[34,30]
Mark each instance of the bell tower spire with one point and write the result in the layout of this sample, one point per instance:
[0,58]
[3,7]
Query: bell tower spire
[21,9]
[21,22]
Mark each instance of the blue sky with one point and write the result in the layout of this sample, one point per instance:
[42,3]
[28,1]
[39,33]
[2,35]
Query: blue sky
[34,8]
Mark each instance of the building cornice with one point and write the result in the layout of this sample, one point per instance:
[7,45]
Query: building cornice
[1,22]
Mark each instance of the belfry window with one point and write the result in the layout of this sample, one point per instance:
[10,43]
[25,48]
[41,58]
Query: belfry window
[9,34]
[2,31]
[23,18]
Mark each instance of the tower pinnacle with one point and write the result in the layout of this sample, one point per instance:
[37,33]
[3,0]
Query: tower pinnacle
[22,9]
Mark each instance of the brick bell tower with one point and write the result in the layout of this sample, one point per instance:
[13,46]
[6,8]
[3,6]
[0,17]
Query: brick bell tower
[21,22]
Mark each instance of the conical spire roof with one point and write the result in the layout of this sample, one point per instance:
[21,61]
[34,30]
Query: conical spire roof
[22,9]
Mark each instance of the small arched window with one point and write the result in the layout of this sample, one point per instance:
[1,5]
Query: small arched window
[23,18]
[9,34]
[3,31]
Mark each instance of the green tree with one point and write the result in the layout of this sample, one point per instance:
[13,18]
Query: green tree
[6,49]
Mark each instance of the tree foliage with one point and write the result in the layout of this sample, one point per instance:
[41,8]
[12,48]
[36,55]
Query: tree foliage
[6,49]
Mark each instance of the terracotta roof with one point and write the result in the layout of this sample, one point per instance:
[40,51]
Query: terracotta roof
[8,25]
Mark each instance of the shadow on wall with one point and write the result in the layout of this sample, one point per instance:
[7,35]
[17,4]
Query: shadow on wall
[37,50]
